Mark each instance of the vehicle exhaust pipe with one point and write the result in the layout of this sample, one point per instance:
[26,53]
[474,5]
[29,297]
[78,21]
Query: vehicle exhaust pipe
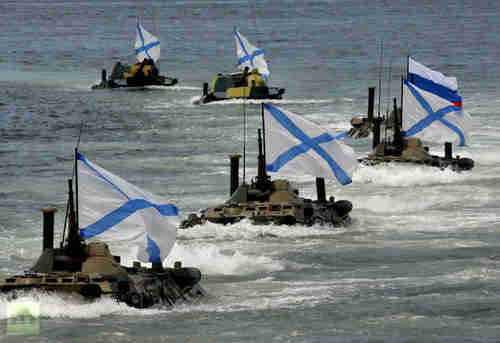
[320,189]
[376,133]
[235,173]
[157,266]
[48,227]
[104,76]
[371,103]
[448,154]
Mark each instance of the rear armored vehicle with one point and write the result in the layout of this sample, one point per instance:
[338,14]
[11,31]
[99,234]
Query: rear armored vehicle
[145,72]
[404,149]
[135,76]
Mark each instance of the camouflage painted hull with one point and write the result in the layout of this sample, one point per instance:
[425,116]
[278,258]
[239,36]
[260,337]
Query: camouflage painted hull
[455,164]
[139,288]
[281,206]
[122,76]
[237,86]
[91,271]
[412,151]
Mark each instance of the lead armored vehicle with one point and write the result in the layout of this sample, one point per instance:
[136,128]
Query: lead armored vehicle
[397,147]
[431,108]
[266,201]
[89,269]
[400,148]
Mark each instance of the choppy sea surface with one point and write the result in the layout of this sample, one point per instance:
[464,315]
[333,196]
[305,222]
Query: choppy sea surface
[420,262]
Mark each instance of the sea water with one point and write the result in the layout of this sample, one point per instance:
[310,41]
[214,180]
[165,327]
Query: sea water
[419,262]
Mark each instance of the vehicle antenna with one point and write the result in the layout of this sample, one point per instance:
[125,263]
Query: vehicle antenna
[82,124]
[402,84]
[77,218]
[139,9]
[157,31]
[64,227]
[263,132]
[75,175]
[389,86]
[235,28]
[380,74]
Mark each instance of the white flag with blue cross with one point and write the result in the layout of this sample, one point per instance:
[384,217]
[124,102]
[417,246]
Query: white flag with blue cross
[250,56]
[294,143]
[147,46]
[115,211]
[434,118]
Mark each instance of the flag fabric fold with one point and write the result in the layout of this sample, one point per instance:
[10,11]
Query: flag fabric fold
[250,56]
[116,211]
[296,143]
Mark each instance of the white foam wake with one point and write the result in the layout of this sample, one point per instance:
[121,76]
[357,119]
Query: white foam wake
[245,231]
[214,260]
[209,257]
[405,175]
[52,305]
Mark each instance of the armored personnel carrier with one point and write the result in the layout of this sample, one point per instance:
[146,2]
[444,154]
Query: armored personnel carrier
[141,74]
[400,148]
[89,269]
[138,75]
[237,86]
[265,201]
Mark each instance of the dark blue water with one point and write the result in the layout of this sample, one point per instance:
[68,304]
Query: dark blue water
[419,263]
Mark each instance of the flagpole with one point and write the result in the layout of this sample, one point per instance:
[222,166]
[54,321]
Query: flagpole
[244,140]
[389,86]
[407,65]
[263,131]
[76,187]
[402,85]
[76,172]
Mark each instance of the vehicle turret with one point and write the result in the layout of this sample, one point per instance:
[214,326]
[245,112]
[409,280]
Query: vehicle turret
[399,147]
[90,269]
[265,201]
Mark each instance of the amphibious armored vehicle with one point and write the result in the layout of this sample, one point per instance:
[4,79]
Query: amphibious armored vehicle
[144,72]
[138,75]
[400,148]
[237,86]
[91,270]
[265,201]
